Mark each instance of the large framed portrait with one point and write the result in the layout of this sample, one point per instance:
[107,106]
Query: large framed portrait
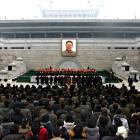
[69,47]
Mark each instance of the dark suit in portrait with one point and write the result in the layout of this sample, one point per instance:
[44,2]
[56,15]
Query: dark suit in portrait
[68,54]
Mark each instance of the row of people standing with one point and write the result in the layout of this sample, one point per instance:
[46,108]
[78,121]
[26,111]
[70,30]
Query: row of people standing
[68,79]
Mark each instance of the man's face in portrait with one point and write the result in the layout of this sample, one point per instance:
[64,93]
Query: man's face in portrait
[69,46]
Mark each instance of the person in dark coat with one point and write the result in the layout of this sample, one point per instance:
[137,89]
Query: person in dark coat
[92,130]
[37,79]
[13,134]
[112,133]
[103,126]
[130,81]
[133,135]
[16,115]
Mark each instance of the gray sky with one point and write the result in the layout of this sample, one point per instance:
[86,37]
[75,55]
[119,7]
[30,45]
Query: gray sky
[105,9]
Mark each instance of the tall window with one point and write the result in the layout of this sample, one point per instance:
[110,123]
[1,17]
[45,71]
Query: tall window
[22,35]
[69,35]
[53,35]
[7,35]
[84,35]
[37,35]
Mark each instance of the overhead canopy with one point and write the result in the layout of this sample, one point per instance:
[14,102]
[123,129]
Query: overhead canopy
[125,64]
[12,64]
[19,59]
[133,71]
[118,59]
[3,71]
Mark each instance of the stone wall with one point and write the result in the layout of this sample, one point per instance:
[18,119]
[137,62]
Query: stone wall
[95,53]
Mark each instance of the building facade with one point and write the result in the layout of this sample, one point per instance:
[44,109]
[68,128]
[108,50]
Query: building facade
[98,42]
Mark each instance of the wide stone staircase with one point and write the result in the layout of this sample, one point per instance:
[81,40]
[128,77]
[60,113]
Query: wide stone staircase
[13,70]
[122,69]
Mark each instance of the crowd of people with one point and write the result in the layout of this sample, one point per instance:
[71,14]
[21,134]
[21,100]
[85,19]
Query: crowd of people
[70,111]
